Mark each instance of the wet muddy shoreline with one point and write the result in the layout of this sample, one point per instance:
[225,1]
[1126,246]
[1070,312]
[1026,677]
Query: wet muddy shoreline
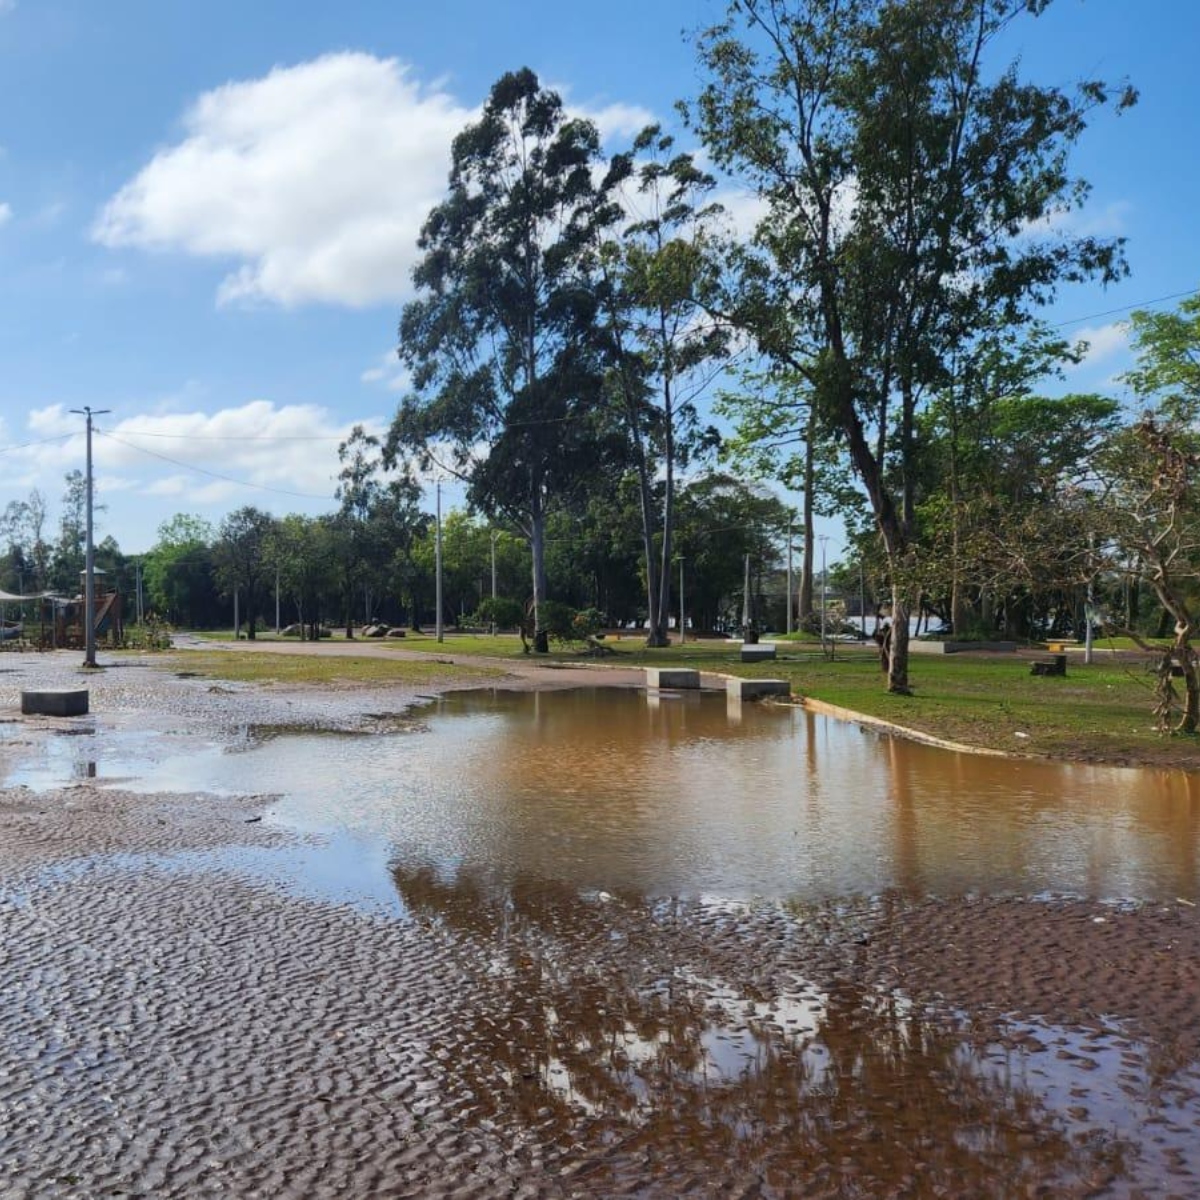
[188,1032]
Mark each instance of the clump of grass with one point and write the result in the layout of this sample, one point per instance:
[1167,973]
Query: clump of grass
[250,667]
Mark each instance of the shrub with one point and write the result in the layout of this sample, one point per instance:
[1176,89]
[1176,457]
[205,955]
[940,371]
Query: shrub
[586,623]
[501,612]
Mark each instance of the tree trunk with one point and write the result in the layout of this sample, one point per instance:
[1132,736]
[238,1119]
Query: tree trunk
[806,567]
[897,674]
[1185,656]
[657,634]
[664,574]
[537,547]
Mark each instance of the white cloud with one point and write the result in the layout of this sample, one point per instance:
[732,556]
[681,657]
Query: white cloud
[315,180]
[255,452]
[6,213]
[7,6]
[1102,221]
[1103,342]
[317,176]
[613,120]
[388,372]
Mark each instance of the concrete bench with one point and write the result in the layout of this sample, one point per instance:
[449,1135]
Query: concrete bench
[758,651]
[752,689]
[672,677]
[1057,665]
[55,702]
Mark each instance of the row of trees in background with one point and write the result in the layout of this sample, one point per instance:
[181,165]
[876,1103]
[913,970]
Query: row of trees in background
[876,333]
[374,558]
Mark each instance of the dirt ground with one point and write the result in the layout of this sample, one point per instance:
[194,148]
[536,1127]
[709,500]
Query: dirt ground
[172,1028]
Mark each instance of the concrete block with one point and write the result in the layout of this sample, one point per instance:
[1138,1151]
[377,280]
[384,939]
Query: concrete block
[758,652]
[752,689]
[55,702]
[917,646]
[672,677]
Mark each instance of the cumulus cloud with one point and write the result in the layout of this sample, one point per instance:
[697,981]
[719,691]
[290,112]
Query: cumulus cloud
[314,180]
[250,451]
[5,213]
[1104,342]
[317,176]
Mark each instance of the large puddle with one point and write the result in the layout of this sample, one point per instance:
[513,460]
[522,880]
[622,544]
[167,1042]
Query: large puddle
[678,795]
[544,837]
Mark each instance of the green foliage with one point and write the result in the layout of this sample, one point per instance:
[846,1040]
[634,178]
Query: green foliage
[721,520]
[1168,349]
[586,623]
[242,558]
[151,635]
[501,612]
[178,573]
[558,620]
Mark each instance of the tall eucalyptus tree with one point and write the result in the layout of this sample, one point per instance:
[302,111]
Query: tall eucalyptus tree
[499,340]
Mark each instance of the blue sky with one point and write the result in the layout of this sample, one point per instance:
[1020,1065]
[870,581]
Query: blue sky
[207,212]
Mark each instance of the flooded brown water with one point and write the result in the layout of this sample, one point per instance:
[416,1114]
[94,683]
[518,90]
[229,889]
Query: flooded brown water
[678,795]
[602,943]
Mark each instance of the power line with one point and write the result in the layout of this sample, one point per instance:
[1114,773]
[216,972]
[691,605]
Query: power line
[58,437]
[1112,312]
[262,487]
[241,437]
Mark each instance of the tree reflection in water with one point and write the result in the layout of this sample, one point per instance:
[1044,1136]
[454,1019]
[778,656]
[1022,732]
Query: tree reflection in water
[631,1043]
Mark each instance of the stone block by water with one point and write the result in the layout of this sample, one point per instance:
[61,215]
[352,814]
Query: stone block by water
[672,677]
[759,652]
[55,702]
[752,689]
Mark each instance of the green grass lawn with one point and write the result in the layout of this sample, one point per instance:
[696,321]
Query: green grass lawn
[341,670]
[1097,713]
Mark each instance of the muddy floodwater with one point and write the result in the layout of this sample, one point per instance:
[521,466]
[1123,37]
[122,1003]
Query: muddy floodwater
[589,943]
[675,795]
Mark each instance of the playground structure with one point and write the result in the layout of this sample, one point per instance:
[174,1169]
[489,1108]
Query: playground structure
[61,621]
[46,621]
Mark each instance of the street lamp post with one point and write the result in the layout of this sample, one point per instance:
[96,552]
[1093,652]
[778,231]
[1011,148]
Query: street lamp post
[682,614]
[494,535]
[89,565]
[438,564]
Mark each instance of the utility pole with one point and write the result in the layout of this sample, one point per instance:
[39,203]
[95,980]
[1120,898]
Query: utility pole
[89,564]
[748,634]
[1090,602]
[438,563]
[682,615]
[494,536]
